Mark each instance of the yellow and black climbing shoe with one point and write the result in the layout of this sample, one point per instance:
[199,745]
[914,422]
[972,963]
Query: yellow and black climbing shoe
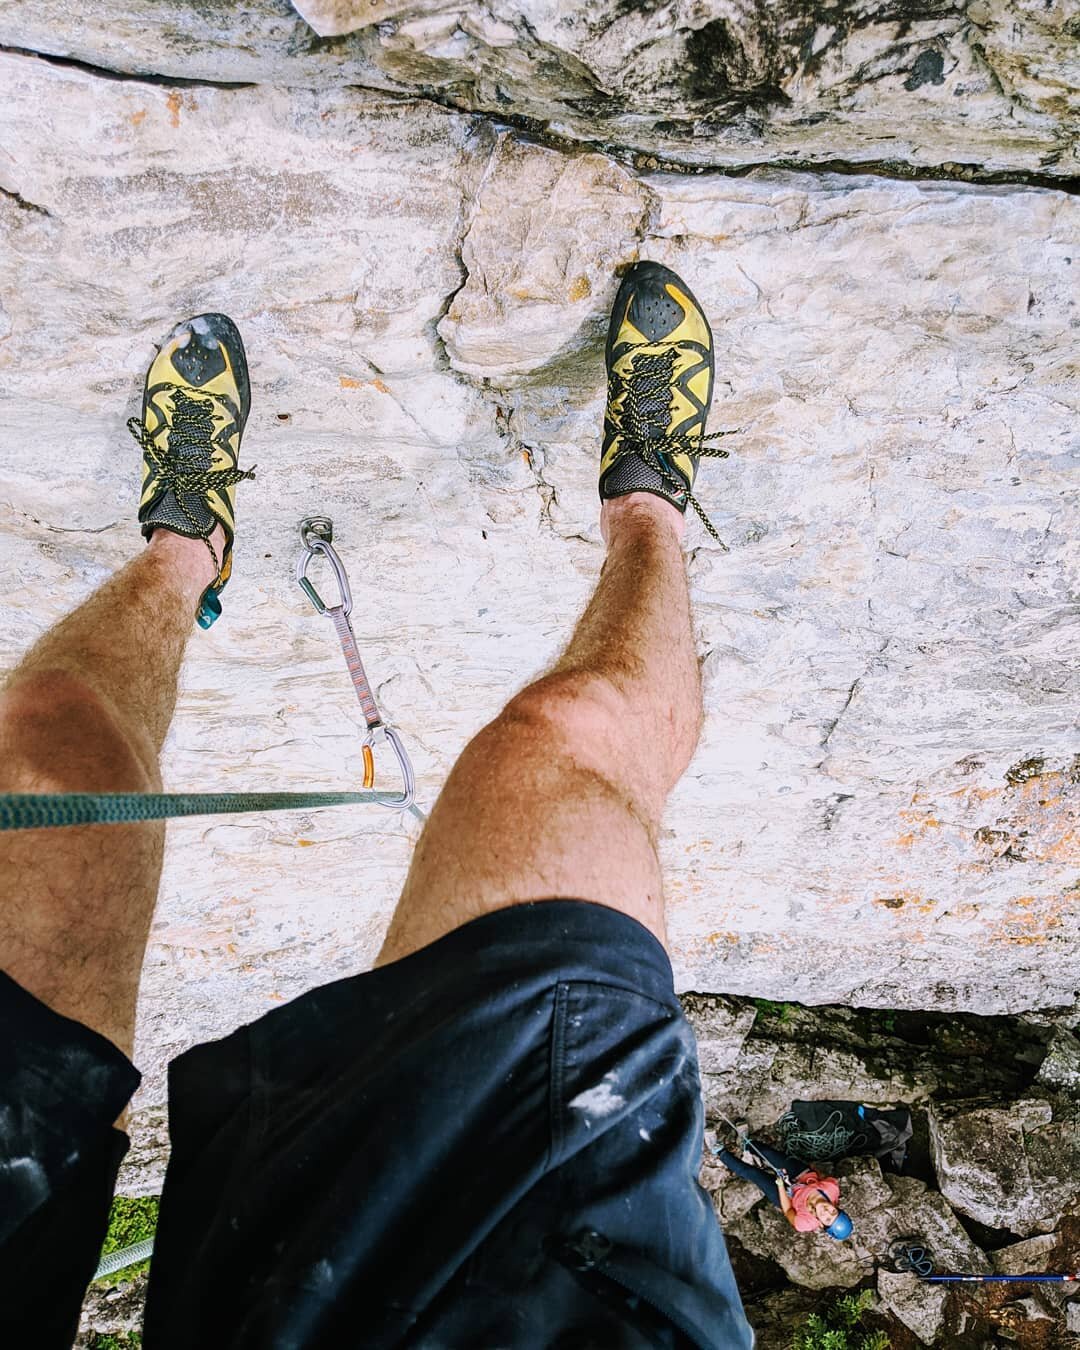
[660,385]
[195,405]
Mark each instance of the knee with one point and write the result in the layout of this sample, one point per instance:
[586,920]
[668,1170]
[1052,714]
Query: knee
[575,708]
[60,735]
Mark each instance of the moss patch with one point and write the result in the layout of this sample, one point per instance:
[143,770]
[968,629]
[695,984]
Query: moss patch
[132,1219]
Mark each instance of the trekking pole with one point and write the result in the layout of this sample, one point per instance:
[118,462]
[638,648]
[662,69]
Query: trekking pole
[1001,1279]
[908,1255]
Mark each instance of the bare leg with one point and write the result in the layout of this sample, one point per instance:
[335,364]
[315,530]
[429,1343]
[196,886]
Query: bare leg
[86,711]
[561,796]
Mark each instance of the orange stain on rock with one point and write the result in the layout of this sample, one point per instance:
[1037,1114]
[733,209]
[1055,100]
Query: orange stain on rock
[137,117]
[721,936]
[901,899]
[1033,919]
[920,822]
[174,103]
[347,382]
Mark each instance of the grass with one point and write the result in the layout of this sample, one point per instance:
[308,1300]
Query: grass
[105,1340]
[838,1328]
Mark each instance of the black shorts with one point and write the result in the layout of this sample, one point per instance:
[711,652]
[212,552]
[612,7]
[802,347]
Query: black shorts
[491,1143]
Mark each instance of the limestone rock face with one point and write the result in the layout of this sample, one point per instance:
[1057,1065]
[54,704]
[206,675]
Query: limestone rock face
[721,1026]
[1016,1168]
[546,233]
[977,85]
[884,807]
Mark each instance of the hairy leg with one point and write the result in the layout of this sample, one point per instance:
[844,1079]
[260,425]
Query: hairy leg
[86,710]
[561,796]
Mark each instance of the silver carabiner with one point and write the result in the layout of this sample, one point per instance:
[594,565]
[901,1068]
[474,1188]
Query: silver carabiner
[315,543]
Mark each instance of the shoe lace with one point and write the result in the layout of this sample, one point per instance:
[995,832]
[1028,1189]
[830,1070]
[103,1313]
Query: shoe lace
[646,410]
[191,433]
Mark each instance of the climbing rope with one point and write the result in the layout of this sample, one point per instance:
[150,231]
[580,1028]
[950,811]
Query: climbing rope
[35,811]
[748,1143]
[126,1256]
[830,1141]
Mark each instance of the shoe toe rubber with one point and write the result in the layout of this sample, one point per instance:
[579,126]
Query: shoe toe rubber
[645,309]
[199,349]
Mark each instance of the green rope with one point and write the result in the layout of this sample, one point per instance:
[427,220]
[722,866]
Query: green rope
[831,1141]
[39,811]
[126,1256]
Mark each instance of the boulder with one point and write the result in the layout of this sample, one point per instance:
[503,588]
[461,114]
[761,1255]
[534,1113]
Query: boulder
[114,1310]
[920,1306]
[1025,1258]
[1015,1167]
[732,1199]
[1033,1310]
[768,1074]
[864,1188]
[813,1260]
[1060,1070]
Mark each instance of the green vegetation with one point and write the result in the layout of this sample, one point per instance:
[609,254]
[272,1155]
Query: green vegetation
[105,1340]
[131,1220]
[782,1011]
[838,1328]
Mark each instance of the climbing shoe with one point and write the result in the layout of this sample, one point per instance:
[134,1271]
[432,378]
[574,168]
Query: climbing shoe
[194,408]
[660,384]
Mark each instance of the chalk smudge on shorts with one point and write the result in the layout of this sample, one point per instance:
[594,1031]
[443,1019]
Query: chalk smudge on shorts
[643,1133]
[598,1101]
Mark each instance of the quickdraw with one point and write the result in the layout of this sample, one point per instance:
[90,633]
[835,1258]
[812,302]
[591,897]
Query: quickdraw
[316,535]
[37,810]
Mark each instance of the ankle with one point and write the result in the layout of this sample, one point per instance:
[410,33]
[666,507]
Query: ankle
[188,560]
[639,510]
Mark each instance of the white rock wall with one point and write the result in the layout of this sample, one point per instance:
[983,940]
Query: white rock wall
[884,806]
[985,86]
